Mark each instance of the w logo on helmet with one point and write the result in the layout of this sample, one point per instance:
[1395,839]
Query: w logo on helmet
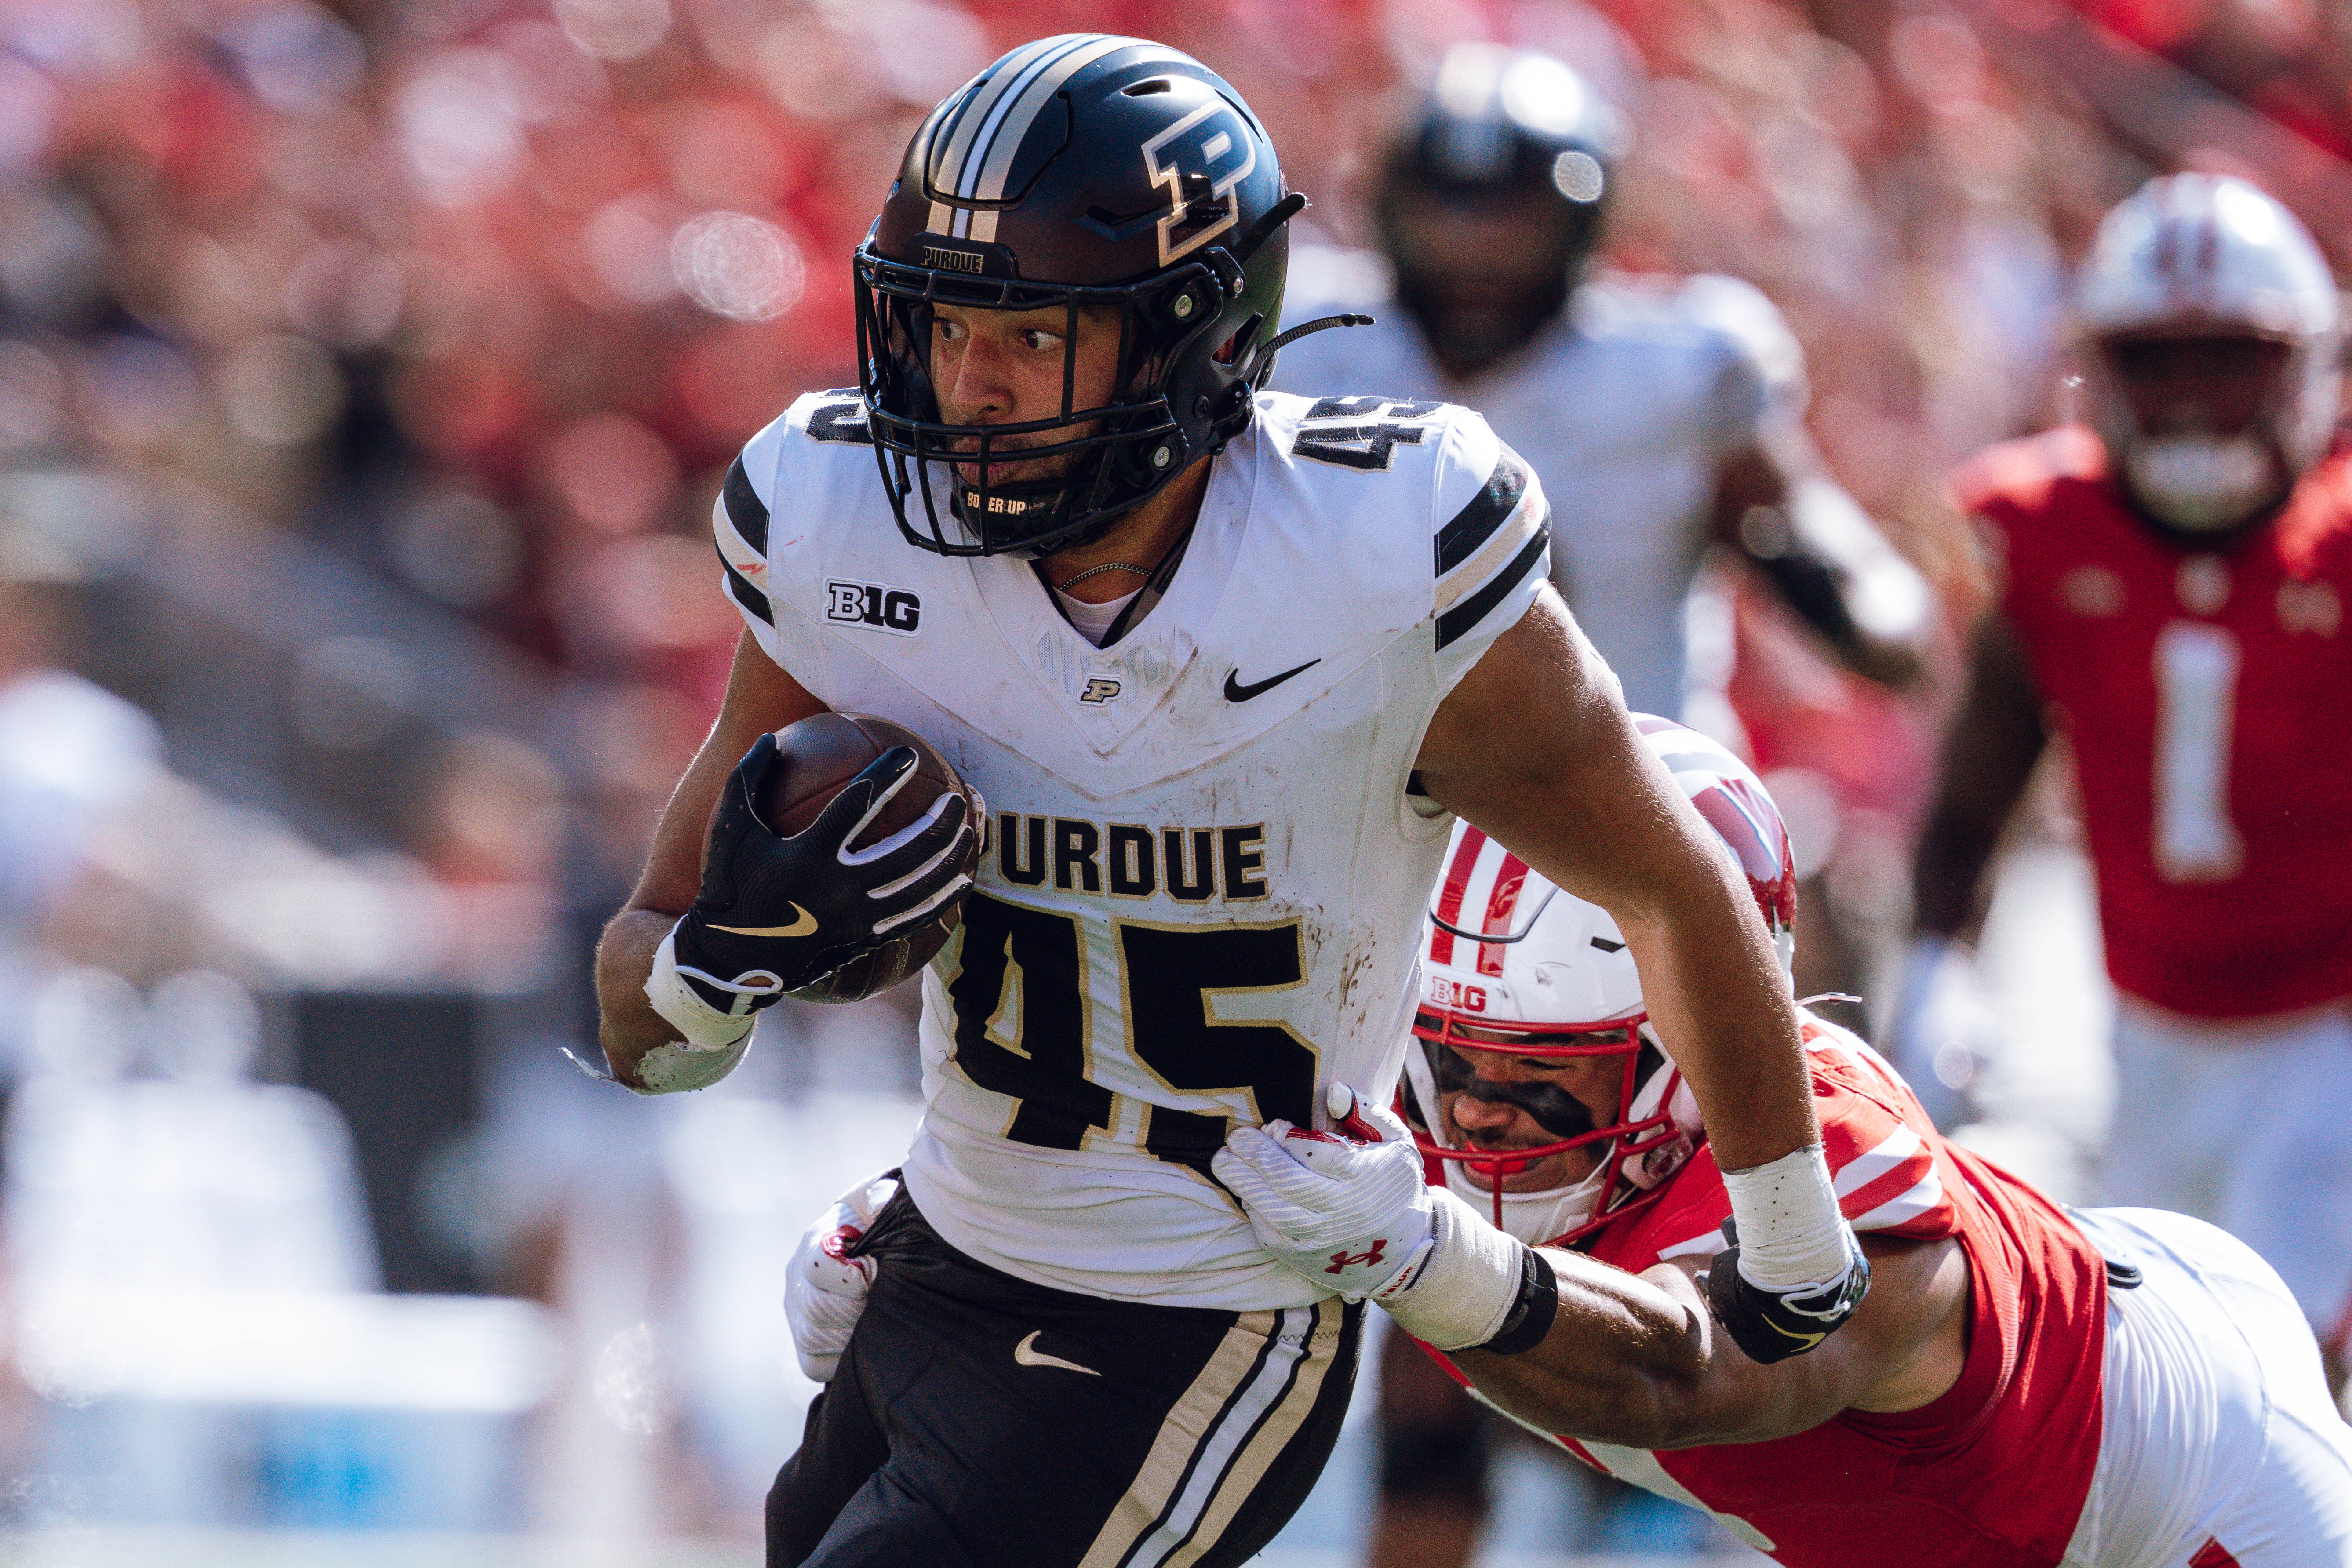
[1200,159]
[1342,1261]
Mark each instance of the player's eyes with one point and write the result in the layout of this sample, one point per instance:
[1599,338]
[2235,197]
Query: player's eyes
[1039,338]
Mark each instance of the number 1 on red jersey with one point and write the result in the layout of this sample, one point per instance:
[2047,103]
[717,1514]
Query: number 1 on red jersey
[2196,686]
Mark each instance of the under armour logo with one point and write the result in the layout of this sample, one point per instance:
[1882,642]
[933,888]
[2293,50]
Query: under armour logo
[1099,690]
[1200,159]
[1342,1261]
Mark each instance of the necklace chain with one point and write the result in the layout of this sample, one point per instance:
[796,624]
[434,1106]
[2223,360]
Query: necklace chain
[1070,583]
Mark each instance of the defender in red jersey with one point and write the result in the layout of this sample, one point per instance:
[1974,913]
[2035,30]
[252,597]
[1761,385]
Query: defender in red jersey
[2023,1387]
[2171,599]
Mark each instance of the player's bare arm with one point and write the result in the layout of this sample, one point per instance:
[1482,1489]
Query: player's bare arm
[760,698]
[1839,576]
[1636,1360]
[1535,747]
[1989,754]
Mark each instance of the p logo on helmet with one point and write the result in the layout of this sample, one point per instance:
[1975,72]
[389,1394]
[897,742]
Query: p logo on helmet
[1200,159]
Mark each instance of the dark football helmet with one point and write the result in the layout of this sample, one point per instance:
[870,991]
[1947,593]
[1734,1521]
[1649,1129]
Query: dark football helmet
[1079,173]
[1508,140]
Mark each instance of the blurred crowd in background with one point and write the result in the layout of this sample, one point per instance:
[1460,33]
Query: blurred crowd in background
[367,371]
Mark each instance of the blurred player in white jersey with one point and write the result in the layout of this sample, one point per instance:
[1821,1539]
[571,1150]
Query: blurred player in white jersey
[1222,662]
[1671,410]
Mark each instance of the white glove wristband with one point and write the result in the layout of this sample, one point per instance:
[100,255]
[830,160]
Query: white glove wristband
[713,1042]
[1466,1285]
[704,1027]
[1791,1235]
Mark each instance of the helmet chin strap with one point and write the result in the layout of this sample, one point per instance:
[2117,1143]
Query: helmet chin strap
[2201,483]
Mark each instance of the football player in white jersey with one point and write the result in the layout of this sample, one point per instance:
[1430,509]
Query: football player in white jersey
[1673,412]
[1222,663]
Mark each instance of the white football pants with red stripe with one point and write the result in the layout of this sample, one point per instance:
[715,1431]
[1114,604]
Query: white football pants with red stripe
[2221,1447]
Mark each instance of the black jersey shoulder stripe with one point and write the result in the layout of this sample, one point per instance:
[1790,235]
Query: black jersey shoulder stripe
[745,509]
[748,596]
[1475,524]
[1472,610]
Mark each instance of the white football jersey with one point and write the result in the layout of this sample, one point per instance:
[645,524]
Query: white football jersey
[1203,887]
[1625,407]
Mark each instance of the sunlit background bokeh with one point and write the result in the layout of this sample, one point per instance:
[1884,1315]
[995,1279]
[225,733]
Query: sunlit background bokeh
[366,374]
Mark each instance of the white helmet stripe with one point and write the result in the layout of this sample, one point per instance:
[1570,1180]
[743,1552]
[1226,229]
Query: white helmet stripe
[989,168]
[949,161]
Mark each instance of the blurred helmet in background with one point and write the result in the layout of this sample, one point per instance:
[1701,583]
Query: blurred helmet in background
[1516,967]
[2218,338]
[1077,173]
[1491,197]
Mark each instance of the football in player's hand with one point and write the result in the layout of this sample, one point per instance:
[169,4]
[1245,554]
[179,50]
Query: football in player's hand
[815,758]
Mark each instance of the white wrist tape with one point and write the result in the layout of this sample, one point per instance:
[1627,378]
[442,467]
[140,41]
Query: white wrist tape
[1464,1289]
[705,1026]
[1792,1236]
[713,1042]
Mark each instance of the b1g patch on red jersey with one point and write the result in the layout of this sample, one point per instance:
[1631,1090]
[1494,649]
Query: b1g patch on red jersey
[2202,686]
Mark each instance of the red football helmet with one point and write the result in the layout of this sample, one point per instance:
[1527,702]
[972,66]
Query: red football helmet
[1516,967]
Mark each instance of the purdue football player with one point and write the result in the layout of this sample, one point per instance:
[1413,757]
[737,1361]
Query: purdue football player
[1223,664]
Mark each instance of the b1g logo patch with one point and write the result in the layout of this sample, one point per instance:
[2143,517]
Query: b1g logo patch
[1445,993]
[875,604]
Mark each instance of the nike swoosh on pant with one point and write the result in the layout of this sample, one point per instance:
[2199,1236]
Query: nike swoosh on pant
[1236,692]
[1027,1355]
[804,925]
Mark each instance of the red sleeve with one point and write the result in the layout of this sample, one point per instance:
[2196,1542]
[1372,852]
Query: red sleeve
[1885,1161]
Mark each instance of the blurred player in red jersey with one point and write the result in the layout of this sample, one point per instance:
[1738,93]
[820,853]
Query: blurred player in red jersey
[2171,600]
[2024,1385]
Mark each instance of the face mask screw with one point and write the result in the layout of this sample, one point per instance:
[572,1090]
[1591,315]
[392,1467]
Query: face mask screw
[1183,306]
[1160,457]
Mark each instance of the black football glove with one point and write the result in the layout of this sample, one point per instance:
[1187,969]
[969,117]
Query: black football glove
[1770,1326]
[776,915]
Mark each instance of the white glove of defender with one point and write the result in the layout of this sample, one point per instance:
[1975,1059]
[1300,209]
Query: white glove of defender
[1354,1217]
[825,1289]
[1359,1217]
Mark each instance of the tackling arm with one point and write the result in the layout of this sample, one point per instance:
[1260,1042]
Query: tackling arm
[1635,1360]
[760,698]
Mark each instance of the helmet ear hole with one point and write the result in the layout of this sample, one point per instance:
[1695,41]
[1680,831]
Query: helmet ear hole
[1233,350]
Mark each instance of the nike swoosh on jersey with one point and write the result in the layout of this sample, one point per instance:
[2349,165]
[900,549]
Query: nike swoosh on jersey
[804,925]
[1236,692]
[1026,1354]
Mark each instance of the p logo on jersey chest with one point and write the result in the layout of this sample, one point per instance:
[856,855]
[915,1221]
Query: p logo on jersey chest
[1100,688]
[875,604]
